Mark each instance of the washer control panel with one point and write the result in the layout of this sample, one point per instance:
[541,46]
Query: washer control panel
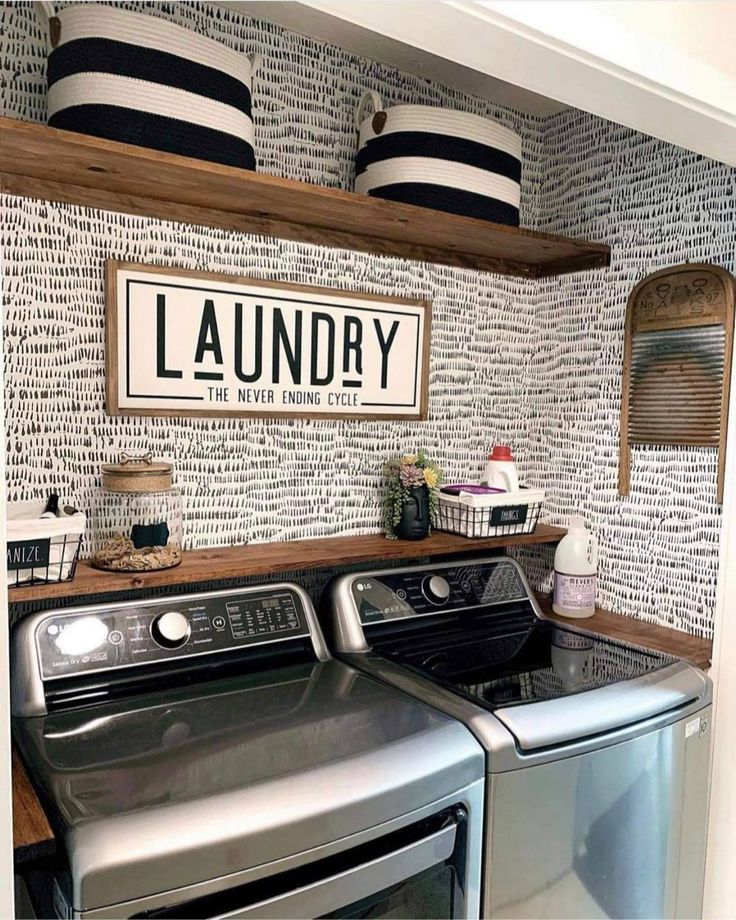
[84,641]
[395,595]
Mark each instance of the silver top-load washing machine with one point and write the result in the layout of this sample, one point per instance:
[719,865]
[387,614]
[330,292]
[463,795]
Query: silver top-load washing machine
[597,751]
[203,756]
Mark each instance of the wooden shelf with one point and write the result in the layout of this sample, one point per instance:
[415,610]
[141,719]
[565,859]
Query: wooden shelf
[41,162]
[233,562]
[32,834]
[638,632]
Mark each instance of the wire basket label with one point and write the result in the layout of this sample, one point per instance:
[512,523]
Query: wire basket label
[28,554]
[509,514]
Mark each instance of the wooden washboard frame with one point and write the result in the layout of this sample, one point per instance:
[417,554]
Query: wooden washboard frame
[677,362]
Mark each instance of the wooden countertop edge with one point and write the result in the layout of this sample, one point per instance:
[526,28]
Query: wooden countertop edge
[696,650]
[32,834]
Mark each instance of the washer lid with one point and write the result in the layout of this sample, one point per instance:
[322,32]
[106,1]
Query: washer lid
[161,791]
[568,719]
[505,657]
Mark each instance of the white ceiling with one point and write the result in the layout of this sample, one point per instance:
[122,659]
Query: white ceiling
[298,17]
[686,46]
[703,30]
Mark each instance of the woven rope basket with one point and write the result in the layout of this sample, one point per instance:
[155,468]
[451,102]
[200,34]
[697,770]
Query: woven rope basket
[438,158]
[141,80]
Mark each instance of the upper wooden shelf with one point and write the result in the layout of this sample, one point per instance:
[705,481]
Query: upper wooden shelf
[232,562]
[42,162]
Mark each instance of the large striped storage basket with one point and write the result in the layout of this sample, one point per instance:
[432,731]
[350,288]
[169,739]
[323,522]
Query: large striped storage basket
[142,80]
[439,158]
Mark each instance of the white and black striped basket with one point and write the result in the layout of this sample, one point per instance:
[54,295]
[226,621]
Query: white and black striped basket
[142,80]
[438,158]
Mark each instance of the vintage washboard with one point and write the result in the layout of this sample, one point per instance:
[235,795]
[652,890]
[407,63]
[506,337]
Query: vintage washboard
[677,362]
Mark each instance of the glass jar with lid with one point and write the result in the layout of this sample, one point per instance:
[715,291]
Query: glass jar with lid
[137,523]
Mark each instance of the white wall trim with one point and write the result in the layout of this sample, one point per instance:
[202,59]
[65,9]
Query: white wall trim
[687,50]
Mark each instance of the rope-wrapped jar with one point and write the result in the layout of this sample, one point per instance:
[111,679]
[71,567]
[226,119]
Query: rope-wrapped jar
[137,523]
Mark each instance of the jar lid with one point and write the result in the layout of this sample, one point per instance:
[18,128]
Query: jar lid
[137,474]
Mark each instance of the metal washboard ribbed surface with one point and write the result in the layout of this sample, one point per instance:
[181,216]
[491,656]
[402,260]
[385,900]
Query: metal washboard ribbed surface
[677,362]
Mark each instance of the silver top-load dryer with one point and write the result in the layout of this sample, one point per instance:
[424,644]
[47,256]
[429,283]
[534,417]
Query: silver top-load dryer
[203,756]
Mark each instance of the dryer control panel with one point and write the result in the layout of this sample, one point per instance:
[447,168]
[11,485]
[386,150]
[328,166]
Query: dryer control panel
[82,641]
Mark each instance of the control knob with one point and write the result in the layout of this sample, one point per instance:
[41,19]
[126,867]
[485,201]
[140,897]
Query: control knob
[436,589]
[170,630]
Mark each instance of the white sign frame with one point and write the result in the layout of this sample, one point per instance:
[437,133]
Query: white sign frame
[362,345]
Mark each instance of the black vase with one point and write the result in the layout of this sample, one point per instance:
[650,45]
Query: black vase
[414,521]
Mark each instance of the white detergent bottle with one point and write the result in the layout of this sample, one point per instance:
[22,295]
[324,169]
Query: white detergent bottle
[576,566]
[501,470]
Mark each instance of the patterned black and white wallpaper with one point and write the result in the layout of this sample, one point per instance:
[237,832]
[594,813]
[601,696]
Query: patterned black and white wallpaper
[656,205]
[535,364]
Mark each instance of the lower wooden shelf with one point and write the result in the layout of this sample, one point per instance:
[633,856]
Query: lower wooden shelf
[233,562]
[32,834]
[691,648]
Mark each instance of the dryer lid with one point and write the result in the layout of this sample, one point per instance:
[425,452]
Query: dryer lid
[165,790]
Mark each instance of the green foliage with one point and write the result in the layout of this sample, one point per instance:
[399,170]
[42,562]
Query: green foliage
[402,474]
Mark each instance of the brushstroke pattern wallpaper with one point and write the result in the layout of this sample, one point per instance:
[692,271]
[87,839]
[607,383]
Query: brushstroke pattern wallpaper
[534,364]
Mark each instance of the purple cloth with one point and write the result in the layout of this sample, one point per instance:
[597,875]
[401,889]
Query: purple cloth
[457,488]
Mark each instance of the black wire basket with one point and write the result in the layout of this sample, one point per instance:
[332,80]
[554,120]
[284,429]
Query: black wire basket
[496,521]
[48,551]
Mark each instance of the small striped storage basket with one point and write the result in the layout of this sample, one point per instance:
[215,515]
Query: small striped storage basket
[142,80]
[439,158]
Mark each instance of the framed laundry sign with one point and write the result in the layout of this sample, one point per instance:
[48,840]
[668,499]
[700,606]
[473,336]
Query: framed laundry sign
[195,343]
